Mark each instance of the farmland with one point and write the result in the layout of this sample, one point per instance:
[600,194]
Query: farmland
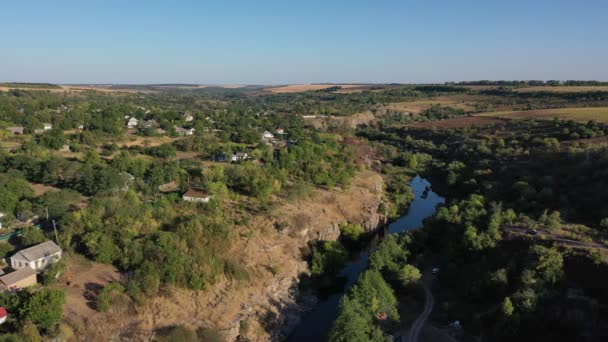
[562,89]
[599,114]
[297,88]
[418,106]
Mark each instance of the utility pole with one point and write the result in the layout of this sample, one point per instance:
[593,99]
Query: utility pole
[56,237]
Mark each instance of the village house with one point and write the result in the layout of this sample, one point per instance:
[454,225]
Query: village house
[184,131]
[280,131]
[15,130]
[239,156]
[38,131]
[18,279]
[196,196]
[132,123]
[36,257]
[47,126]
[160,131]
[267,135]
[150,124]
[65,148]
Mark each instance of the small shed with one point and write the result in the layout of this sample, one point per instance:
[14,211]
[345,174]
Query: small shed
[196,196]
[18,279]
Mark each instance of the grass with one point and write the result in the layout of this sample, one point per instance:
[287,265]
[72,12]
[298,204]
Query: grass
[418,106]
[564,89]
[599,114]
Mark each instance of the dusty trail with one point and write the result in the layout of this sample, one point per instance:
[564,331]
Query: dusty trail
[419,323]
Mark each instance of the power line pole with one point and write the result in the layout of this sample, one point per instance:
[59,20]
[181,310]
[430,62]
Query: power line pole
[56,237]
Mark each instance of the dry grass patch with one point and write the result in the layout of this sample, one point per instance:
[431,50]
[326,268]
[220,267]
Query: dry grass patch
[469,121]
[297,88]
[566,89]
[415,107]
[599,114]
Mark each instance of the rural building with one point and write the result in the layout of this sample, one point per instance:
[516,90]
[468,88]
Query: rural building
[38,131]
[184,131]
[187,117]
[160,131]
[132,123]
[239,156]
[150,124]
[3,314]
[36,257]
[280,131]
[196,196]
[65,148]
[267,135]
[18,279]
[47,126]
[15,130]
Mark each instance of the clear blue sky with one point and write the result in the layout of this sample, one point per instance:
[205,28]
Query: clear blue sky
[301,41]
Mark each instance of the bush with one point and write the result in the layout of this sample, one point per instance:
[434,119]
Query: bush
[351,232]
[328,257]
[108,295]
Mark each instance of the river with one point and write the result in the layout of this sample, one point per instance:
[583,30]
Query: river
[316,324]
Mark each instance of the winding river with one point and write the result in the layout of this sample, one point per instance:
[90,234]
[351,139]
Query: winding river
[316,324]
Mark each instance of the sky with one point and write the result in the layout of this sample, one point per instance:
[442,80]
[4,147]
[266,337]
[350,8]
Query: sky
[302,41]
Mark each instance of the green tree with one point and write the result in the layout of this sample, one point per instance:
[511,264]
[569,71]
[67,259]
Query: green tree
[44,307]
[409,274]
[507,307]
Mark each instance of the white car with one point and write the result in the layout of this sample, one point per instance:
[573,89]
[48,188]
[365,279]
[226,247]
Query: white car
[435,270]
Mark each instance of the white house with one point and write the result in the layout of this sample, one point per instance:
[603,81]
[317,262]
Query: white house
[196,196]
[15,130]
[239,156]
[267,135]
[183,131]
[47,126]
[132,123]
[36,257]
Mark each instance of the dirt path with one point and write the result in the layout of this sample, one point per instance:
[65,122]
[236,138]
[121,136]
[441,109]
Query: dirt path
[419,323]
[554,237]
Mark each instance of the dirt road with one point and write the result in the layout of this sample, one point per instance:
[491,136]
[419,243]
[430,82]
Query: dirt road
[554,237]
[419,323]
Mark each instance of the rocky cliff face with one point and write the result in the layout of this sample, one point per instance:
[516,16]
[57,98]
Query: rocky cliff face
[272,248]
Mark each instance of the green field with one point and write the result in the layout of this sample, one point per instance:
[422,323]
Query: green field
[578,114]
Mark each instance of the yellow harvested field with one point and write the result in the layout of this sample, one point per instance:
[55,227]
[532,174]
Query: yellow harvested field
[297,88]
[568,89]
[599,114]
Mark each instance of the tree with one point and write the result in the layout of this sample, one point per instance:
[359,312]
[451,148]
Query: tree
[549,263]
[409,274]
[507,307]
[31,235]
[44,307]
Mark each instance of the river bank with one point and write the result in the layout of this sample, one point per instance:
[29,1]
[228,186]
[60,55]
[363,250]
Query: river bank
[316,324]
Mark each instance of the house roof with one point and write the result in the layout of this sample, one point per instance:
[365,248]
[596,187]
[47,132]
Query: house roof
[3,312]
[15,129]
[15,277]
[39,251]
[196,194]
